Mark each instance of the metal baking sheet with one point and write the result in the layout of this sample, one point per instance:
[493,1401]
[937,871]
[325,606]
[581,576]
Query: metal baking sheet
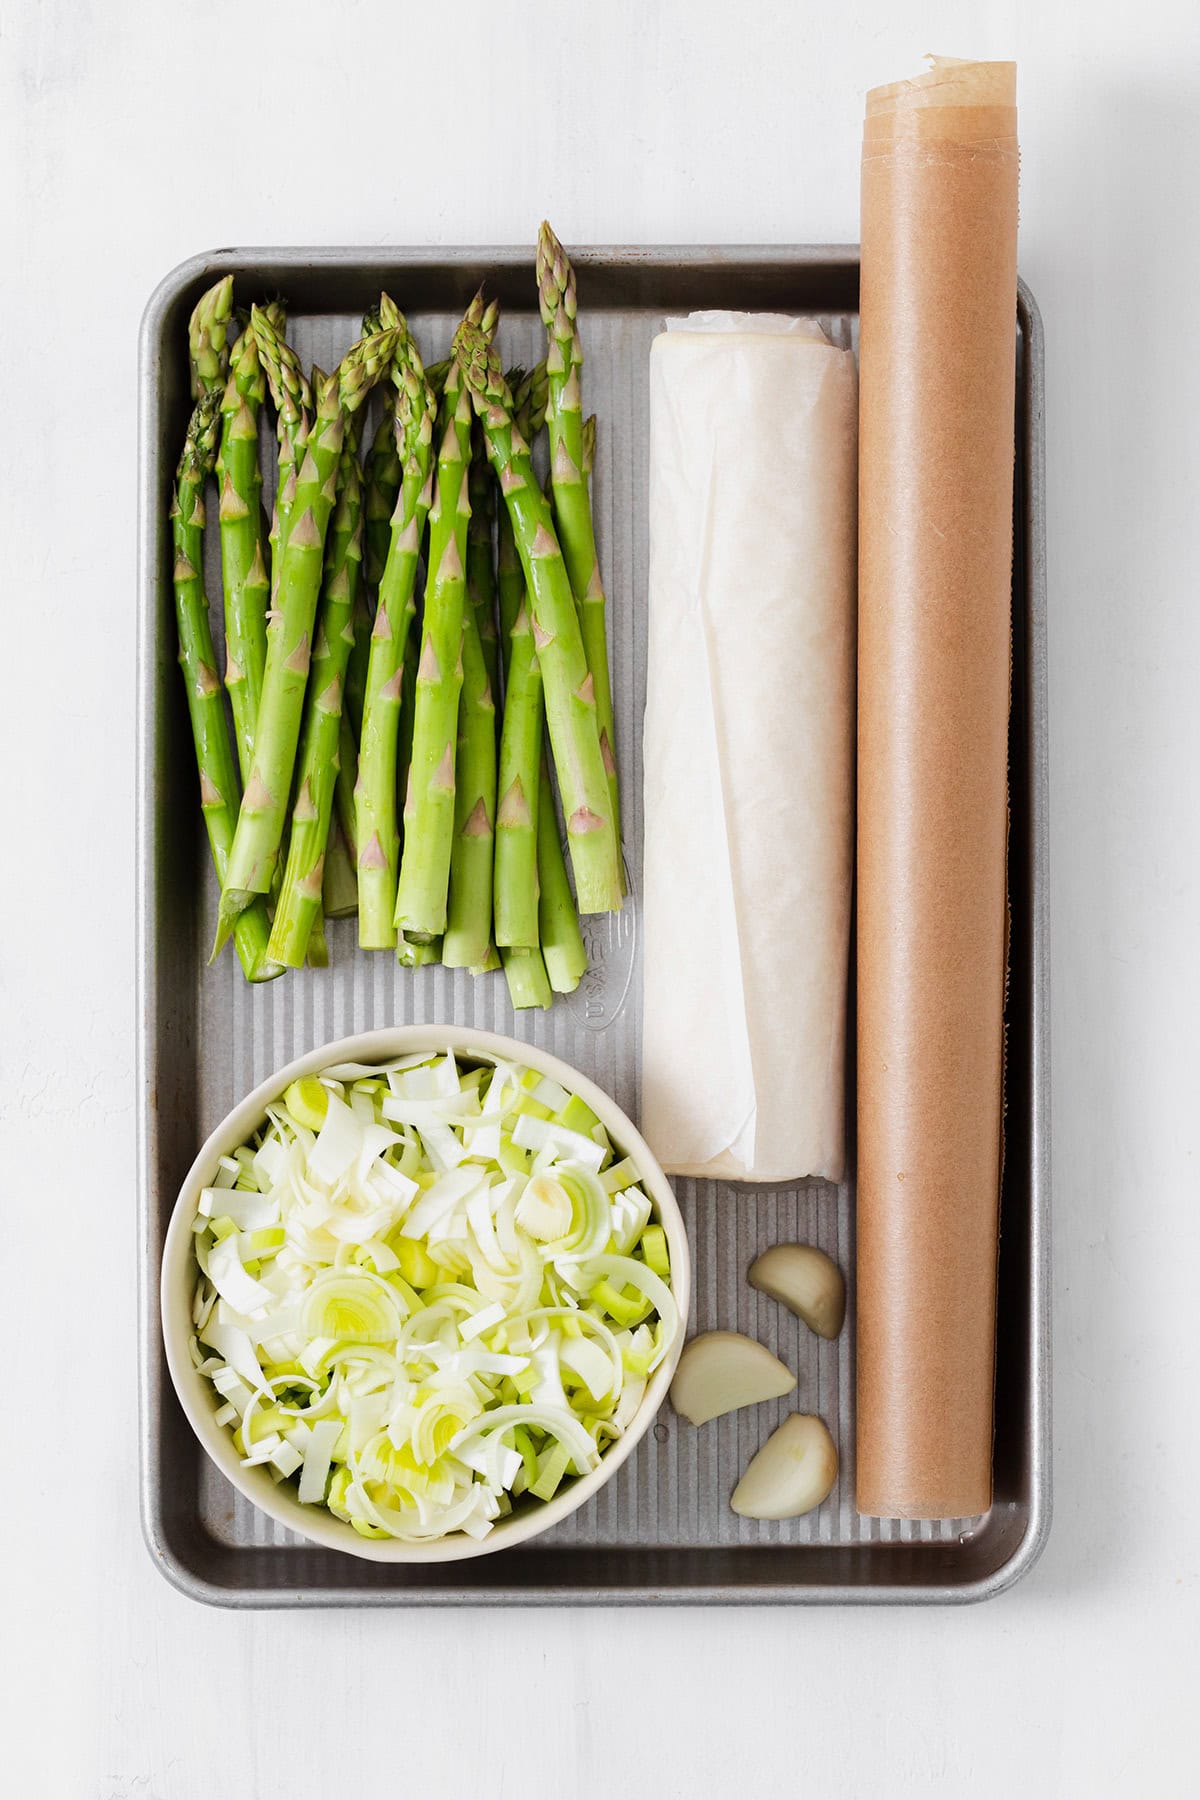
[662,1530]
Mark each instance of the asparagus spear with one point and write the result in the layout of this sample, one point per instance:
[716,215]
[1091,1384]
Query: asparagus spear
[339,884]
[381,490]
[510,582]
[243,563]
[208,335]
[567,681]
[317,954]
[416,956]
[429,808]
[572,502]
[528,982]
[516,881]
[206,707]
[292,396]
[481,569]
[558,922]
[531,973]
[435,381]
[528,389]
[375,793]
[304,510]
[408,707]
[531,396]
[468,938]
[345,803]
[300,901]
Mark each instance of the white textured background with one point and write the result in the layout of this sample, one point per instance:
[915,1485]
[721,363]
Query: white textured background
[132,134]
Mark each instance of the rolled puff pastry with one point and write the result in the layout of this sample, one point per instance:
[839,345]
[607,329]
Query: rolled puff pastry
[749,728]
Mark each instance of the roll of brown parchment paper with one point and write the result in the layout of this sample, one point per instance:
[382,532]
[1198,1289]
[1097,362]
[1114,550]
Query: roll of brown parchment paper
[938,334]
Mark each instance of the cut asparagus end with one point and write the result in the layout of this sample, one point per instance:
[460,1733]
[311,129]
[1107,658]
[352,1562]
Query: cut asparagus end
[266,970]
[339,888]
[251,936]
[562,968]
[417,956]
[318,947]
[528,983]
[233,904]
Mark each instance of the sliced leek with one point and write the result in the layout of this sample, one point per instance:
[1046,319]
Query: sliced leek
[426,1291]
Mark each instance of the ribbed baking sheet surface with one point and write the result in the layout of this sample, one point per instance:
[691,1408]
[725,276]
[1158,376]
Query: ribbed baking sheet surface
[673,1493]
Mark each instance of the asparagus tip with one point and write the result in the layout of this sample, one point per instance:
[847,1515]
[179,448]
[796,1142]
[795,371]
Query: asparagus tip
[208,337]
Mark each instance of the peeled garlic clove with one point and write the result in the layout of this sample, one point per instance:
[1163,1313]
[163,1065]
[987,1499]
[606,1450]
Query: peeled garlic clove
[807,1281]
[720,1371]
[793,1472]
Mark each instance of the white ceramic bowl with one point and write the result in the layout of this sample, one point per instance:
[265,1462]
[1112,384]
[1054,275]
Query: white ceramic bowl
[195,1391]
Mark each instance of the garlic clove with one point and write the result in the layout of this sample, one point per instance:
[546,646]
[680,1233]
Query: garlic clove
[720,1371]
[793,1472]
[807,1281]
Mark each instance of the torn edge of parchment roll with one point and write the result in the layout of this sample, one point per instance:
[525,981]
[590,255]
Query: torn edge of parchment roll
[937,350]
[749,739]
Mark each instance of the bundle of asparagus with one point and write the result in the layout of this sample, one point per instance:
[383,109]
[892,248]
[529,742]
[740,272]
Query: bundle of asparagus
[373,767]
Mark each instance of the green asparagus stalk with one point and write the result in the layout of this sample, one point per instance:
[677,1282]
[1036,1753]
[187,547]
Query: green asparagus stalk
[481,568]
[381,490]
[531,396]
[304,515]
[317,953]
[300,901]
[356,672]
[243,562]
[429,807]
[345,804]
[468,940]
[528,982]
[418,956]
[572,502]
[436,373]
[516,879]
[527,971]
[339,886]
[468,936]
[375,793]
[568,684]
[206,707]
[558,922]
[208,337]
[408,707]
[528,390]
[510,581]
[291,393]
